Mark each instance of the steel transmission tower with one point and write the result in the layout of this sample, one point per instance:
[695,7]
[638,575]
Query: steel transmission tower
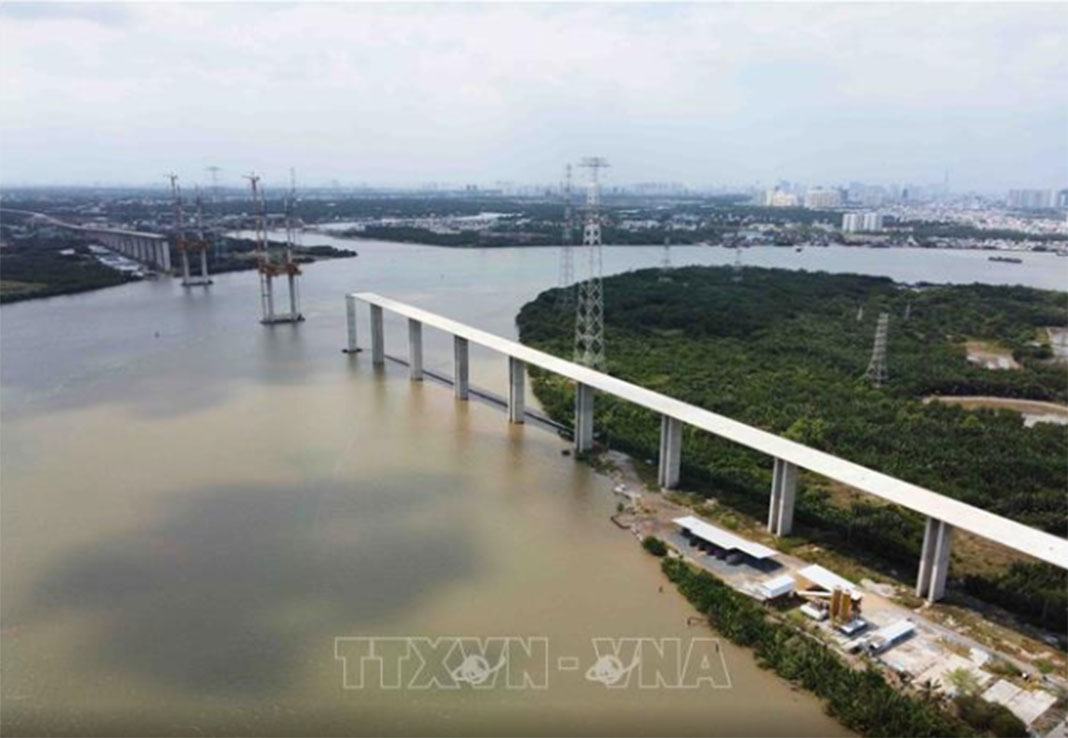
[877,366]
[215,241]
[665,262]
[736,267]
[214,171]
[589,307]
[567,256]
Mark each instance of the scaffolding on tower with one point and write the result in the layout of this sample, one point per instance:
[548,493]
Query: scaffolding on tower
[589,305]
[181,245]
[272,261]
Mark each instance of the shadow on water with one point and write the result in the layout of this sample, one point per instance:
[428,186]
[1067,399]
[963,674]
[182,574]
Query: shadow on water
[224,593]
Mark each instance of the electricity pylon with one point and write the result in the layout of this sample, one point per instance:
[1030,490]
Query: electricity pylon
[567,256]
[877,366]
[589,307]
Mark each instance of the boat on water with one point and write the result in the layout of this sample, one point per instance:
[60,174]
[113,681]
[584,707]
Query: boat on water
[1006,259]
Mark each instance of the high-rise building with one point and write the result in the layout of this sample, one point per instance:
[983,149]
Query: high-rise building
[872,222]
[779,199]
[862,222]
[1031,199]
[818,197]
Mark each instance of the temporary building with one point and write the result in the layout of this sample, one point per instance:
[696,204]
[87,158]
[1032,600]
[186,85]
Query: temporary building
[889,635]
[776,587]
[827,580]
[723,538]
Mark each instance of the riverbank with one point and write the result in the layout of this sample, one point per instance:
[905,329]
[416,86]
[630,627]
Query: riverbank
[32,273]
[932,659]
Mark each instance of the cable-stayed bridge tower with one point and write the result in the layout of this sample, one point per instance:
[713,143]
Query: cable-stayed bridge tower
[202,245]
[589,306]
[271,264]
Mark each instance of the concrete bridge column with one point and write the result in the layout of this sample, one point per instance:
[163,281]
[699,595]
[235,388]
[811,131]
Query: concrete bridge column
[783,493]
[378,339]
[583,417]
[460,379]
[516,389]
[670,452]
[165,255]
[350,318]
[415,350]
[934,560]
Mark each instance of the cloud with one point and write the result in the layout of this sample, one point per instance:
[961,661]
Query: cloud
[408,93]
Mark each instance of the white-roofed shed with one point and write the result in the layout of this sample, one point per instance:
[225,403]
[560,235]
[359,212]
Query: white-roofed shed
[723,538]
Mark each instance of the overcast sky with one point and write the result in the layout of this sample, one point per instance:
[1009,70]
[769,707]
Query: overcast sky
[408,94]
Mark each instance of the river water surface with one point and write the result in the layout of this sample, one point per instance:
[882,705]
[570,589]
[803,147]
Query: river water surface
[194,506]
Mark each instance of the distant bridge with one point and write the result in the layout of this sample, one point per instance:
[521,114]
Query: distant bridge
[150,249]
[943,513]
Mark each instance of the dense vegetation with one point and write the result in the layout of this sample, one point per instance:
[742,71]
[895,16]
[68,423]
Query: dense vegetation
[37,268]
[785,351]
[236,254]
[860,699]
[655,546]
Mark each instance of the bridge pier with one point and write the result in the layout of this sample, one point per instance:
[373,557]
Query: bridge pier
[415,350]
[165,255]
[934,560]
[378,340]
[350,320]
[783,493]
[670,452]
[460,371]
[516,389]
[583,417]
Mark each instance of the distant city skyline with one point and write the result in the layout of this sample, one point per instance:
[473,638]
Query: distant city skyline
[735,95]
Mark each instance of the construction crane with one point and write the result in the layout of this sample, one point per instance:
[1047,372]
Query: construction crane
[270,264]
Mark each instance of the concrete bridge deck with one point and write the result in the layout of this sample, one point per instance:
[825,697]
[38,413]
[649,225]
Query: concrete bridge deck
[150,249]
[943,513]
